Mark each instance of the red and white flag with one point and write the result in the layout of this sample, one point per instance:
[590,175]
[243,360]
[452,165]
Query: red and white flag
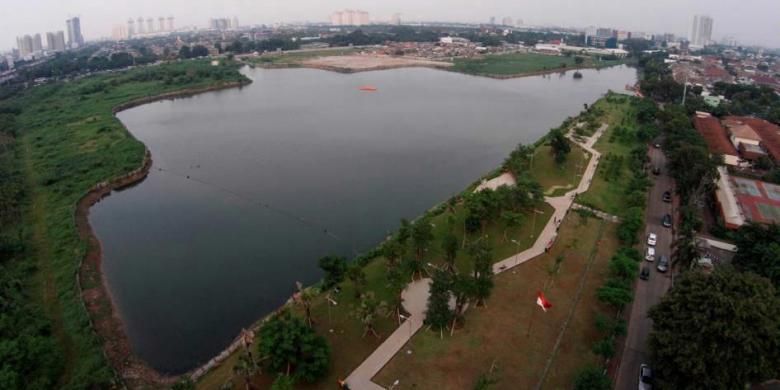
[542,301]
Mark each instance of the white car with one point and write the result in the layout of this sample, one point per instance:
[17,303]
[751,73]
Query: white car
[650,256]
[651,239]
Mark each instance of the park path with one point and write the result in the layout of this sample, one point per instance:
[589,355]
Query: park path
[415,296]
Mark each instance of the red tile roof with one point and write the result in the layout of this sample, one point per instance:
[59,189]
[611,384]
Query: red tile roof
[769,133]
[714,134]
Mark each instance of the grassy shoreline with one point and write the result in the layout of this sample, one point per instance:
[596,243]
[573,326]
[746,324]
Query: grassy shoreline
[70,141]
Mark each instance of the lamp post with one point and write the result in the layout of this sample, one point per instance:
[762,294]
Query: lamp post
[518,250]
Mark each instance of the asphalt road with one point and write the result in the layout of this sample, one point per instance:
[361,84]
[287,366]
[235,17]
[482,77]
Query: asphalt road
[649,292]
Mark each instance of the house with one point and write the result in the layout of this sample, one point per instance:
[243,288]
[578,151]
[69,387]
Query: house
[767,131]
[715,135]
[741,133]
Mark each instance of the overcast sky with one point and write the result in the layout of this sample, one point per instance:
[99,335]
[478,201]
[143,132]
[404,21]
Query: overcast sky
[749,21]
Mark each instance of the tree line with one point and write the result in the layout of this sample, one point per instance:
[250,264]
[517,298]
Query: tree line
[718,330]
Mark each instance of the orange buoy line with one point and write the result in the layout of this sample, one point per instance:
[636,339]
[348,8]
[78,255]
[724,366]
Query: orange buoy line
[368,88]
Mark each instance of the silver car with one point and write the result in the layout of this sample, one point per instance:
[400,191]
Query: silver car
[645,377]
[663,264]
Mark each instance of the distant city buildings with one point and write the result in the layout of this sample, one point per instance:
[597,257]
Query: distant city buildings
[37,43]
[701,31]
[351,17]
[25,45]
[75,39]
[507,21]
[223,23]
[55,41]
[396,19]
[141,26]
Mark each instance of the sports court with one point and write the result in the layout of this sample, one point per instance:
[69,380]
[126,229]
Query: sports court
[759,201]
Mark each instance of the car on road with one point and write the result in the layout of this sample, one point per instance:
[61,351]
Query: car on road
[663,264]
[645,273]
[667,220]
[650,256]
[652,239]
[656,171]
[645,377]
[667,196]
[657,145]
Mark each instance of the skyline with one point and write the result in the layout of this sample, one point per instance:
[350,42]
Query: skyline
[748,25]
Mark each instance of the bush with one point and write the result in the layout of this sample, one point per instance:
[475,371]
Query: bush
[592,378]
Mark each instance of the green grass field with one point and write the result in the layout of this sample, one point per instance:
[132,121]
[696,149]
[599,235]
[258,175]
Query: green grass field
[517,64]
[512,334]
[556,179]
[70,141]
[610,195]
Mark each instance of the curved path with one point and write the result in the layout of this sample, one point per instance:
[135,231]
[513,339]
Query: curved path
[415,296]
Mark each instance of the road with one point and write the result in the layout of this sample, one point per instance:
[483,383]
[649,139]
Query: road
[649,292]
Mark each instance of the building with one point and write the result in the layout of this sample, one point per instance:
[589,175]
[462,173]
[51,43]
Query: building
[140,26]
[55,41]
[37,43]
[743,200]
[75,39]
[741,134]
[149,25]
[25,45]
[219,24]
[349,17]
[507,21]
[701,31]
[396,19]
[131,28]
[767,131]
[161,21]
[337,18]
[170,23]
[119,32]
[715,136]
[234,24]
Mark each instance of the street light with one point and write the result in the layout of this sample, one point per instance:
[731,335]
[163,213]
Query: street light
[518,250]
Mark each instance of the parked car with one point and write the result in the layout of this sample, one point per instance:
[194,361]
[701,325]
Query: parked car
[663,264]
[652,239]
[656,171]
[645,377]
[645,273]
[650,256]
[667,221]
[657,145]
[667,196]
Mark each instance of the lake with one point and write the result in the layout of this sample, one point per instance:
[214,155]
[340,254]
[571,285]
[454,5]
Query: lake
[251,186]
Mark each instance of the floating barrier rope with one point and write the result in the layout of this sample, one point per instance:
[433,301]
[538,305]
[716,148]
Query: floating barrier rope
[279,211]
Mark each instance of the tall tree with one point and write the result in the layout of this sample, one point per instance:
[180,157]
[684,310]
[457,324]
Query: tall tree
[758,250]
[185,52]
[422,234]
[368,311]
[392,250]
[335,267]
[438,314]
[450,245]
[482,257]
[716,331]
[246,367]
[560,145]
[289,347]
[357,276]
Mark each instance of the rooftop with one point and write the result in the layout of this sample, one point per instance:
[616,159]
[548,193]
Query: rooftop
[714,134]
[769,133]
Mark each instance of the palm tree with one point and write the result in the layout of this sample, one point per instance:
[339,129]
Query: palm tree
[246,367]
[304,298]
[368,311]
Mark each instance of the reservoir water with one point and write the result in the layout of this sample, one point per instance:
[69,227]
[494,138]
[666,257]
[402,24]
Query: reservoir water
[251,186]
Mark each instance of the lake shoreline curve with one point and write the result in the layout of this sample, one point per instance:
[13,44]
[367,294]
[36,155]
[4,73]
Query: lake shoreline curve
[97,299]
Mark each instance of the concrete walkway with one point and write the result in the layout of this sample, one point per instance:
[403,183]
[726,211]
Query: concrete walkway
[415,296]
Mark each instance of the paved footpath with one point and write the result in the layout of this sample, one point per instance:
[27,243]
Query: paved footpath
[415,296]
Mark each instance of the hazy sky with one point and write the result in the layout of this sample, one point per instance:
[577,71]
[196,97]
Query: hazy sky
[750,21]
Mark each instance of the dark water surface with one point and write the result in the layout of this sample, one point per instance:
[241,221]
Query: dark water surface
[192,261]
